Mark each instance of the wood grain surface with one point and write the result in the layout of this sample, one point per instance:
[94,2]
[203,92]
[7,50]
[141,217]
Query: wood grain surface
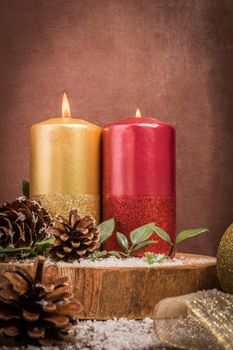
[132,292]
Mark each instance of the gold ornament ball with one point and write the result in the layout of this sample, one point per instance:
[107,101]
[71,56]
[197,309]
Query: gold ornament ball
[225,261]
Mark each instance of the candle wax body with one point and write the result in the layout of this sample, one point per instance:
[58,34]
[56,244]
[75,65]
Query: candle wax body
[139,178]
[65,165]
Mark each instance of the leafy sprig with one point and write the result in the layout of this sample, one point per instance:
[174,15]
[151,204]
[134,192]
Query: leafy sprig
[39,248]
[182,236]
[139,238]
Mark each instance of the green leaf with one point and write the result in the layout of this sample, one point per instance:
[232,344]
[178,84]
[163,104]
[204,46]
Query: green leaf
[98,255]
[155,258]
[149,257]
[115,253]
[39,247]
[162,234]
[142,245]
[12,250]
[122,240]
[25,188]
[141,233]
[44,244]
[183,235]
[106,229]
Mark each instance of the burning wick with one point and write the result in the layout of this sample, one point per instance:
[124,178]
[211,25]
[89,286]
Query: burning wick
[138,114]
[65,106]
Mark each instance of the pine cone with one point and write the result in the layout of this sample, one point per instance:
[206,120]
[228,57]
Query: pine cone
[76,238]
[23,223]
[36,308]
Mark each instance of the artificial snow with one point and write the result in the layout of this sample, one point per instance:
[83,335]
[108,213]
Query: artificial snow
[131,262]
[121,334]
[138,262]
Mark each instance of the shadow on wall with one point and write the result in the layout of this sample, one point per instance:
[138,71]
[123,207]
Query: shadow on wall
[20,36]
[221,97]
[33,76]
[215,190]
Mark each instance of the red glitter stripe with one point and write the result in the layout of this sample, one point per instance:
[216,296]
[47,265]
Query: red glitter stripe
[131,212]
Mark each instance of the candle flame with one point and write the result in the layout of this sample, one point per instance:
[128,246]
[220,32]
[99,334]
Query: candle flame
[138,113]
[65,106]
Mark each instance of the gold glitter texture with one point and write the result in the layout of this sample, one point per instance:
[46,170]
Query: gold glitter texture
[225,261]
[199,321]
[62,203]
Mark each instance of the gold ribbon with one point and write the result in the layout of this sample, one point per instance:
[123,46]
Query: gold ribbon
[198,321]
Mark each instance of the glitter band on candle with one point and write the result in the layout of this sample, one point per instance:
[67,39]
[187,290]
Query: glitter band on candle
[58,203]
[128,210]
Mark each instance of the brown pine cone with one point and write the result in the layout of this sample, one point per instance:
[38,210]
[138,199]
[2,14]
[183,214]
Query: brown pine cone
[75,238]
[36,308]
[23,223]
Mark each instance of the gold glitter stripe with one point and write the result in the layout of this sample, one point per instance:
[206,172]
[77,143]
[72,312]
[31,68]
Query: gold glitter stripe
[58,203]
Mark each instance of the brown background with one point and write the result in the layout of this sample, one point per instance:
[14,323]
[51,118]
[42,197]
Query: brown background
[173,59]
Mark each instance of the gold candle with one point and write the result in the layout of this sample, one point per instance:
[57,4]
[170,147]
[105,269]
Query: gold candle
[65,164]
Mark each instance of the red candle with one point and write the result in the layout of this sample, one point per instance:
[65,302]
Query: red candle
[139,178]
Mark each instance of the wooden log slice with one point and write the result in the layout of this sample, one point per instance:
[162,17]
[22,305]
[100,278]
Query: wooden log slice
[132,292]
